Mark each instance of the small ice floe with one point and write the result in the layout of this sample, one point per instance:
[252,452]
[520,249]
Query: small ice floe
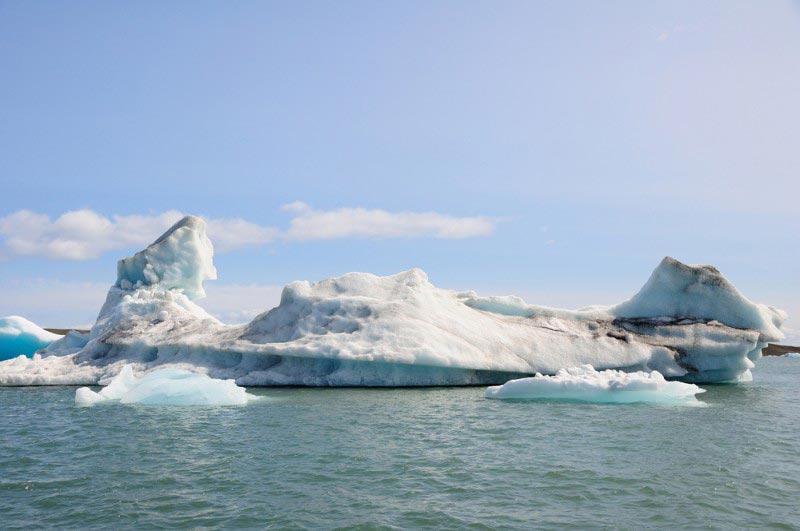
[791,355]
[166,387]
[585,384]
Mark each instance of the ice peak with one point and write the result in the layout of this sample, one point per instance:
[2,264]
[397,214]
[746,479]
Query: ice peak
[181,259]
[680,290]
[193,222]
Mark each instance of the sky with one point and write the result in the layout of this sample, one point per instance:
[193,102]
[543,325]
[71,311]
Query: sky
[553,150]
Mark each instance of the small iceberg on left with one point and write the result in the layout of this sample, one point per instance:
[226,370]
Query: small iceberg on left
[166,387]
[18,336]
[585,384]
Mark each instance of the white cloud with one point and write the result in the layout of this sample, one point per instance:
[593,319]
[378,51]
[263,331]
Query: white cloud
[85,234]
[309,224]
[79,234]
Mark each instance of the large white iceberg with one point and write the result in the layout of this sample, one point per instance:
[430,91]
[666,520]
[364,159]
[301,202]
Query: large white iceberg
[19,336]
[165,387]
[585,384]
[688,322]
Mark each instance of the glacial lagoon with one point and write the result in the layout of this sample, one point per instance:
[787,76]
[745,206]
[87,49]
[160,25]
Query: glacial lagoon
[440,457]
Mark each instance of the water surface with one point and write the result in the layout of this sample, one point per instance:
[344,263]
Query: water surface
[445,458]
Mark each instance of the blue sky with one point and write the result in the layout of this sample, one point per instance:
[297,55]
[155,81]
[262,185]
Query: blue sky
[555,150]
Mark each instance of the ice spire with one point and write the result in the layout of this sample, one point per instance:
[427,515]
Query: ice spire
[181,259]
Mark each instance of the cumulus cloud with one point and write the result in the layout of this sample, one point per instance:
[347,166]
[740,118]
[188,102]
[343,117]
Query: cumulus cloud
[78,234]
[85,234]
[310,224]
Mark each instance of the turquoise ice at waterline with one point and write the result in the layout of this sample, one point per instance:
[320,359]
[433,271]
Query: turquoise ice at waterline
[21,337]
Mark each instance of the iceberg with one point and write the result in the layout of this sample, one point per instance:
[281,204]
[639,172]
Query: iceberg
[585,384]
[166,387]
[687,322]
[19,336]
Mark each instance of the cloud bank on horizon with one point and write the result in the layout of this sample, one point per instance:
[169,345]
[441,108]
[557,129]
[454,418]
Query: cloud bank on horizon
[85,234]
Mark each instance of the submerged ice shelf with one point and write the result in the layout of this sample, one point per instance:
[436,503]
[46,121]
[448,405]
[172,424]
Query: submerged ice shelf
[687,322]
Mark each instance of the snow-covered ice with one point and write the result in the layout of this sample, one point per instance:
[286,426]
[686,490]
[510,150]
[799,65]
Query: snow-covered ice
[166,387]
[19,336]
[585,384]
[687,322]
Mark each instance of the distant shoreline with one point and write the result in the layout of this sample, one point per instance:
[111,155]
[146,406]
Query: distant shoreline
[779,350]
[772,349]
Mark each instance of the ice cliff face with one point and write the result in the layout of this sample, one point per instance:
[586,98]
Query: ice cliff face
[687,322]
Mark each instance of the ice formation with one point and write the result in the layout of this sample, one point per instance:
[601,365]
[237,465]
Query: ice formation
[687,322]
[181,259]
[18,336]
[585,384]
[165,387]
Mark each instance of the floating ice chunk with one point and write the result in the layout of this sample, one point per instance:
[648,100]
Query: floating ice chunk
[791,355]
[181,259]
[177,387]
[117,387]
[585,384]
[20,336]
[86,397]
[166,387]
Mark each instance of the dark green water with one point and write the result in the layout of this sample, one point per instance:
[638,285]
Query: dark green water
[444,458]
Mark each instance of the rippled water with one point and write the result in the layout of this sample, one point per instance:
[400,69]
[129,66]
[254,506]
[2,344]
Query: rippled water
[405,458]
